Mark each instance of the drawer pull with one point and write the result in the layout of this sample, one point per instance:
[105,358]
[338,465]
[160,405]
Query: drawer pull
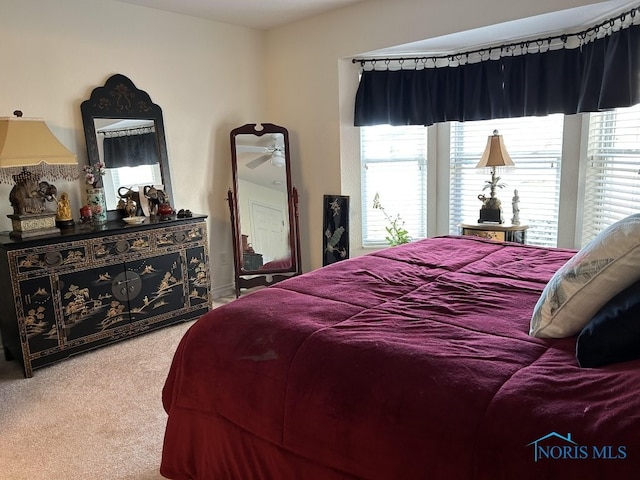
[122,246]
[53,258]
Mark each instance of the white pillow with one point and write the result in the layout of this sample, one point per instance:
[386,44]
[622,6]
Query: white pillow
[603,268]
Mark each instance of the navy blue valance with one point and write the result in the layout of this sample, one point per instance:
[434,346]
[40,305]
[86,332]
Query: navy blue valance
[131,150]
[600,75]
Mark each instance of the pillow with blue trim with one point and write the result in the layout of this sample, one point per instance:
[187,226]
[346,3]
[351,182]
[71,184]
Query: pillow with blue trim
[613,335]
[600,270]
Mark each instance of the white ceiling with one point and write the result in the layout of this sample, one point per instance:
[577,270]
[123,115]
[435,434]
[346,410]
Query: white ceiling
[266,14]
[261,14]
[571,20]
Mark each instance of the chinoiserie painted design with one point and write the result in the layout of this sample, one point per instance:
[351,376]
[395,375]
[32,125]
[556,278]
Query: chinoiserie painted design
[74,296]
[97,201]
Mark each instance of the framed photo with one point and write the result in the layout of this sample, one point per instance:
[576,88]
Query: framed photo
[335,239]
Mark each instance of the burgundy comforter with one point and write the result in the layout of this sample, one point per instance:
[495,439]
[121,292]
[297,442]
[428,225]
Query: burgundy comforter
[409,363]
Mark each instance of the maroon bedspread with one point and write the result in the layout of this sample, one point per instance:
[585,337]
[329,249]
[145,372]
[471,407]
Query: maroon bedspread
[410,363]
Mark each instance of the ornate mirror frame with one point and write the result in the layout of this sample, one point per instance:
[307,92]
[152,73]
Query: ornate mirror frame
[119,98]
[249,276]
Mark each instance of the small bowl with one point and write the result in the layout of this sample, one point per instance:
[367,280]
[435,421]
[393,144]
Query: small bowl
[134,220]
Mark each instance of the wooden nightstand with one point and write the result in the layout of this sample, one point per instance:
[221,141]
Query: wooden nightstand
[502,232]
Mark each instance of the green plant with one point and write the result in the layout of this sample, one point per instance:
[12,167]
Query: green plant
[397,233]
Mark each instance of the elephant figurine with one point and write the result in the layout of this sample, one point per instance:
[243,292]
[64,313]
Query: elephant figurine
[155,197]
[127,197]
[28,195]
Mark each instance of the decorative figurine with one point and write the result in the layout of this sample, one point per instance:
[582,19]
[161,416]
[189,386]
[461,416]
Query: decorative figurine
[64,219]
[29,194]
[130,207]
[155,197]
[129,204]
[515,208]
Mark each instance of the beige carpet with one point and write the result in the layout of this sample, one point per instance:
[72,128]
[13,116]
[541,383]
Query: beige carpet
[95,416]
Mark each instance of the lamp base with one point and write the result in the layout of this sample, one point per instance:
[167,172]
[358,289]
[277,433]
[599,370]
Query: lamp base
[490,215]
[33,225]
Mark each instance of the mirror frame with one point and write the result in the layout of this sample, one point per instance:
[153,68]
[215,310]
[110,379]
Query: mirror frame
[120,98]
[252,278]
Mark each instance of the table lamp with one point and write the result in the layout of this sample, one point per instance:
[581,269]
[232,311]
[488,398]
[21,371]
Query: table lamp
[495,158]
[29,151]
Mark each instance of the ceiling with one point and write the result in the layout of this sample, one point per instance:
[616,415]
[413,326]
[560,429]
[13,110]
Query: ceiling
[266,14]
[570,20]
[261,14]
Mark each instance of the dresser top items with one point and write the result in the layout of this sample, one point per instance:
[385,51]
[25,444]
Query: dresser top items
[89,230]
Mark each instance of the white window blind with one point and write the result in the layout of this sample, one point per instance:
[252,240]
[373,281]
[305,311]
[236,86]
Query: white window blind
[612,184]
[129,177]
[535,146]
[394,165]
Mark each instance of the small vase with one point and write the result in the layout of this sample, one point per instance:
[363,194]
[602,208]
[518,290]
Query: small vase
[96,200]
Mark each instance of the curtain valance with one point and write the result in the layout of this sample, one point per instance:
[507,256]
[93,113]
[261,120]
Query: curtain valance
[599,75]
[131,150]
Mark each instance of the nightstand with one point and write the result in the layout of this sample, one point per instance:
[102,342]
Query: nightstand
[502,232]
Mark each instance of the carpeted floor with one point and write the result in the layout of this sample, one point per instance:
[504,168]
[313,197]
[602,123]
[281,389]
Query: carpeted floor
[95,416]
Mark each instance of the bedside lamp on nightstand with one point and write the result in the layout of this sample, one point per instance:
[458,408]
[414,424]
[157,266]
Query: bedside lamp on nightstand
[28,151]
[495,157]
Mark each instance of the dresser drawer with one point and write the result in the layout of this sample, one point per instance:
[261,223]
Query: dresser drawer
[41,260]
[120,245]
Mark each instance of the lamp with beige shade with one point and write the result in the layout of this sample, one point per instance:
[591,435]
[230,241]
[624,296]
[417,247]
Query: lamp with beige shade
[29,151]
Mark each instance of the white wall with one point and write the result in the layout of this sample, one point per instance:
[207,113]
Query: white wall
[206,76]
[312,85]
[210,77]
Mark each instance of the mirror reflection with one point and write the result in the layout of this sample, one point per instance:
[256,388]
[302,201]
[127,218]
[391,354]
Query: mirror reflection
[129,150]
[124,130]
[263,201]
[263,206]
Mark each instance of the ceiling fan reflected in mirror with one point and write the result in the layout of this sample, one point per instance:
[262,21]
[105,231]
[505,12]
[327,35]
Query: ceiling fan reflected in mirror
[274,153]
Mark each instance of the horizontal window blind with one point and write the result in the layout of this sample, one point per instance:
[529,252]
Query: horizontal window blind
[130,177]
[394,166]
[612,184]
[535,146]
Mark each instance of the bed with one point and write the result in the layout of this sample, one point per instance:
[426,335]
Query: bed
[413,362]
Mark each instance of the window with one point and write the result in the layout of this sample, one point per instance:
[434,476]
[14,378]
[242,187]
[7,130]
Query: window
[394,165]
[612,183]
[535,146]
[129,177]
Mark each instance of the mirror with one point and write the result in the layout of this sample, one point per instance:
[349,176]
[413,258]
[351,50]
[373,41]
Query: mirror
[264,206]
[124,129]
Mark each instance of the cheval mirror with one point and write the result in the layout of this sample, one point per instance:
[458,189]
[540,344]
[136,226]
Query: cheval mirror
[264,207]
[124,129]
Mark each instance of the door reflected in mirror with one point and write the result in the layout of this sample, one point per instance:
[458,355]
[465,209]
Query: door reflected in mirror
[263,201]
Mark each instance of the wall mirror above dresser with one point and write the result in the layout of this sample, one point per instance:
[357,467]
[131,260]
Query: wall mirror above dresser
[264,206]
[124,129]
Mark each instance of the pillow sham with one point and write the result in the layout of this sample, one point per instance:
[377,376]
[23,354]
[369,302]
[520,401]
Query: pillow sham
[601,269]
[613,334]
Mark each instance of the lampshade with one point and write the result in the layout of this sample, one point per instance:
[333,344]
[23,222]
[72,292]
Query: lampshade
[28,142]
[495,154]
